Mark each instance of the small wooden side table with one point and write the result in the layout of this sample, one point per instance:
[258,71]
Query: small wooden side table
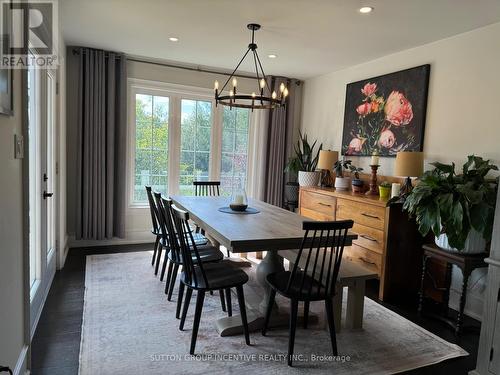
[466,262]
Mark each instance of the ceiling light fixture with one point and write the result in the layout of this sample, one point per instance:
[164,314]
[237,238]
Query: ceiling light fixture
[272,56]
[365,10]
[263,97]
[173,39]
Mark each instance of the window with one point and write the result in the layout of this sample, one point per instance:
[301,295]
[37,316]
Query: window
[178,135]
[234,149]
[196,126]
[151,144]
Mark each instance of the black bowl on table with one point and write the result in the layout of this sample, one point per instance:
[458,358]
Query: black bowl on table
[238,207]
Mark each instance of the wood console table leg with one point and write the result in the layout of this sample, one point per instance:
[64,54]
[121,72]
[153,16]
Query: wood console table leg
[421,294]
[337,307]
[355,305]
[463,297]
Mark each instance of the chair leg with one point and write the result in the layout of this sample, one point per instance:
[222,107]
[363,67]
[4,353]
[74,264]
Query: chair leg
[187,301]
[306,313]
[155,250]
[158,257]
[229,305]
[169,276]
[243,312]
[222,300]
[270,303]
[331,324]
[197,315]
[228,253]
[294,307]
[172,282]
[179,300]
[164,266]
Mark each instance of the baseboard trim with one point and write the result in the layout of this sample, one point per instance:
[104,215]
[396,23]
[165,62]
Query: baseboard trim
[136,237]
[42,305]
[21,361]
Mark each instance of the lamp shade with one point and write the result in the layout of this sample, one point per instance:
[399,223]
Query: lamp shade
[327,158]
[409,164]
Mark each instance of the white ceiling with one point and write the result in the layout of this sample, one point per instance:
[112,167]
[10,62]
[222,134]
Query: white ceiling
[310,37]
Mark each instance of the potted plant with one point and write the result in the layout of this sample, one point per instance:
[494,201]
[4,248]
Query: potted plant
[357,183]
[384,190]
[458,208]
[341,182]
[304,162]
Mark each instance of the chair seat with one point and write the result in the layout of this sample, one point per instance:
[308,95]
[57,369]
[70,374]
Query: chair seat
[207,254]
[279,282]
[199,240]
[220,275]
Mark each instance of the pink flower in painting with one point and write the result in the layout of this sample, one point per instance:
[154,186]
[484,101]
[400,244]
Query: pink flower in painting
[355,145]
[387,139]
[398,110]
[364,109]
[369,89]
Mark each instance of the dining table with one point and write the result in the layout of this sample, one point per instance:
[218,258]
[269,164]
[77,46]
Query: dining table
[268,229]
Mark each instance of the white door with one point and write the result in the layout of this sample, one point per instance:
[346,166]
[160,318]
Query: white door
[42,171]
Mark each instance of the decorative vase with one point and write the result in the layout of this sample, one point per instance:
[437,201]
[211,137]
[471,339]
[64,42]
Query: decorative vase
[384,192]
[342,183]
[475,243]
[291,192]
[309,178]
[358,185]
[239,201]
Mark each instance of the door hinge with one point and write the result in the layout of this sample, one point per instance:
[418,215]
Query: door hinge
[57,88]
[57,167]
[491,354]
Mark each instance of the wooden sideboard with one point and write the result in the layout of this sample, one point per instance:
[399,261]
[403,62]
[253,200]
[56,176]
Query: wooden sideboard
[388,242]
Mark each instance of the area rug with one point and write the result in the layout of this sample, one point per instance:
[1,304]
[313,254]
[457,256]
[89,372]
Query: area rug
[130,328]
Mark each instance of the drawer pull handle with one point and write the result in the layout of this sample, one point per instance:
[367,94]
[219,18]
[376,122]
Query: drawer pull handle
[324,204]
[370,216]
[367,261]
[367,237]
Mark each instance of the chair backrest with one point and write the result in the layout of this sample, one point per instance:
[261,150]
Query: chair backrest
[188,248]
[323,252]
[172,233]
[153,210]
[206,188]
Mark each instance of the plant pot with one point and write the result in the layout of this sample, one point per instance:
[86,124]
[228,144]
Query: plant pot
[342,183]
[475,243]
[384,192]
[291,192]
[309,178]
[358,185]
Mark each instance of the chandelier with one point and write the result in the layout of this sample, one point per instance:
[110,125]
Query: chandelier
[263,97]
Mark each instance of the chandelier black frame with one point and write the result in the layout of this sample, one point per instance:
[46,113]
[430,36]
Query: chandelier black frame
[262,100]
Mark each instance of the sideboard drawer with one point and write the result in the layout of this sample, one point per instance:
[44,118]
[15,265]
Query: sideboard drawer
[320,203]
[370,238]
[368,258]
[364,214]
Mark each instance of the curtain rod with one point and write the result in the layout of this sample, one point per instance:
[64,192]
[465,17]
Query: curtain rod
[76,51]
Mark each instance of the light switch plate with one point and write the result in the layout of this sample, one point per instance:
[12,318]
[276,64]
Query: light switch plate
[18,146]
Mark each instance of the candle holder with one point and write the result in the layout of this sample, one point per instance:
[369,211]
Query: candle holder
[373,181]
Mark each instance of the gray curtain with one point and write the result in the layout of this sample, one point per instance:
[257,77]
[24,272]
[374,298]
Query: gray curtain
[282,126]
[102,90]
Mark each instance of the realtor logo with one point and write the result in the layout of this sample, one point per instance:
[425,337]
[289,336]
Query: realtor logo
[28,33]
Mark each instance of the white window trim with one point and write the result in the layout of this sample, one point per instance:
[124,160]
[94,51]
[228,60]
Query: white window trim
[175,93]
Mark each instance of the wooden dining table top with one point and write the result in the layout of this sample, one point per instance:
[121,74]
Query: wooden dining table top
[273,228]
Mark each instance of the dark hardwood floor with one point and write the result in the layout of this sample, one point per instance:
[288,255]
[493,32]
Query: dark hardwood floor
[56,344]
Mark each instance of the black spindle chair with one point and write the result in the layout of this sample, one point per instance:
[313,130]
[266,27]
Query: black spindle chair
[207,254]
[155,229]
[206,188]
[315,281]
[203,277]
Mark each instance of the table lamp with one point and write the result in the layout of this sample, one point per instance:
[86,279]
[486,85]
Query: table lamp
[327,159]
[408,164]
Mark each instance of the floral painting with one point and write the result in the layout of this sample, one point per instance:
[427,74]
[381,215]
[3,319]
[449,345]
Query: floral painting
[386,114]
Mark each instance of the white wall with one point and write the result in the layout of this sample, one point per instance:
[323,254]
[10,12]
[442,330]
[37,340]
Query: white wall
[12,316]
[462,113]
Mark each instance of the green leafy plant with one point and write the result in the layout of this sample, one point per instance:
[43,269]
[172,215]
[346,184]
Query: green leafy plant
[355,170]
[386,184]
[340,165]
[450,203]
[305,158]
